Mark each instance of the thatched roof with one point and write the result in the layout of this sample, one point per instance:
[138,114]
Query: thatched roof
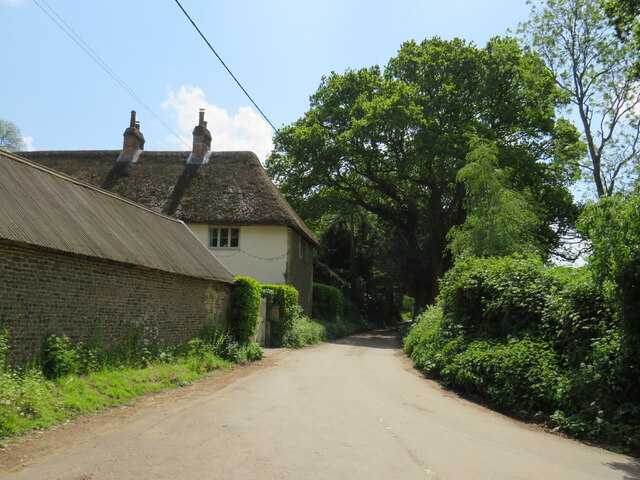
[232,188]
[41,207]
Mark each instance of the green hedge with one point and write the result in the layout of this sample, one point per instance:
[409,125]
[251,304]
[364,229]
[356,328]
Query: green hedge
[540,340]
[520,375]
[287,298]
[328,302]
[496,297]
[306,331]
[245,307]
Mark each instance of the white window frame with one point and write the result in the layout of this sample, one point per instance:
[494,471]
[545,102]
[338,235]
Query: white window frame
[217,237]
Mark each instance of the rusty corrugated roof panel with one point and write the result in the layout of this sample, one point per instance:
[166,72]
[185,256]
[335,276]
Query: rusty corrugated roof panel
[42,207]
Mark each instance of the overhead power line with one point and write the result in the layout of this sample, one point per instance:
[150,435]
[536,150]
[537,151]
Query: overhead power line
[224,64]
[64,26]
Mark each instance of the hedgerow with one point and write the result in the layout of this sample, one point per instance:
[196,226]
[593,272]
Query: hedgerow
[245,305]
[538,340]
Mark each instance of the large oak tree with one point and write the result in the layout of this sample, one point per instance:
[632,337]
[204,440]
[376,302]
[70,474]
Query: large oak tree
[391,142]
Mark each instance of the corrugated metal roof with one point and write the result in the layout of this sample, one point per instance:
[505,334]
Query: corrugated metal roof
[42,207]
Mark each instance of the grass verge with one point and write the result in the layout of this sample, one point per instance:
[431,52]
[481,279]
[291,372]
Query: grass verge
[30,402]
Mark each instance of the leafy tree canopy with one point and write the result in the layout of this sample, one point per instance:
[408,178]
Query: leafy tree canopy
[500,220]
[10,138]
[392,141]
[593,69]
[612,225]
[624,15]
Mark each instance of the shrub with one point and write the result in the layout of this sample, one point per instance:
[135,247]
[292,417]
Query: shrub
[520,374]
[253,352]
[307,331]
[328,302]
[612,225]
[629,284]
[602,394]
[408,304]
[287,298]
[242,353]
[496,296]
[303,331]
[534,338]
[245,307]
[431,343]
[224,345]
[620,430]
[577,312]
[59,357]
[201,356]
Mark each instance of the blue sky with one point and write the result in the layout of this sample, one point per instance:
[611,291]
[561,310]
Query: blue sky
[278,49]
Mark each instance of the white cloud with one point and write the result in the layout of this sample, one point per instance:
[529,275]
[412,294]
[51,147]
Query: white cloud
[243,130]
[28,144]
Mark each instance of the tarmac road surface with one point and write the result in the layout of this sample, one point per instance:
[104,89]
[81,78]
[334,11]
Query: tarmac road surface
[353,409]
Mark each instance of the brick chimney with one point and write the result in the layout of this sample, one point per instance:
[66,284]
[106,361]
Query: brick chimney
[201,141]
[133,141]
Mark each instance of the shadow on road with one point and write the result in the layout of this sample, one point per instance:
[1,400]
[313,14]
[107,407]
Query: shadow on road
[631,470]
[385,339]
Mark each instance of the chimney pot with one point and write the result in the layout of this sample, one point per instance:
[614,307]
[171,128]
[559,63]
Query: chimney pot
[133,141]
[201,141]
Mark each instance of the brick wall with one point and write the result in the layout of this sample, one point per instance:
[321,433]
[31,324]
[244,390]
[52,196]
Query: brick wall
[43,291]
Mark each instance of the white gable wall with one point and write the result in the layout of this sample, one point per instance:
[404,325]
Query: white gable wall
[262,252]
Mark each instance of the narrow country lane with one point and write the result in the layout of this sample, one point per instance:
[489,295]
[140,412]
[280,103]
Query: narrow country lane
[354,409]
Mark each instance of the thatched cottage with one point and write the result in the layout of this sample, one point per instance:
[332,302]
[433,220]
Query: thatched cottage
[226,199]
[81,261]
